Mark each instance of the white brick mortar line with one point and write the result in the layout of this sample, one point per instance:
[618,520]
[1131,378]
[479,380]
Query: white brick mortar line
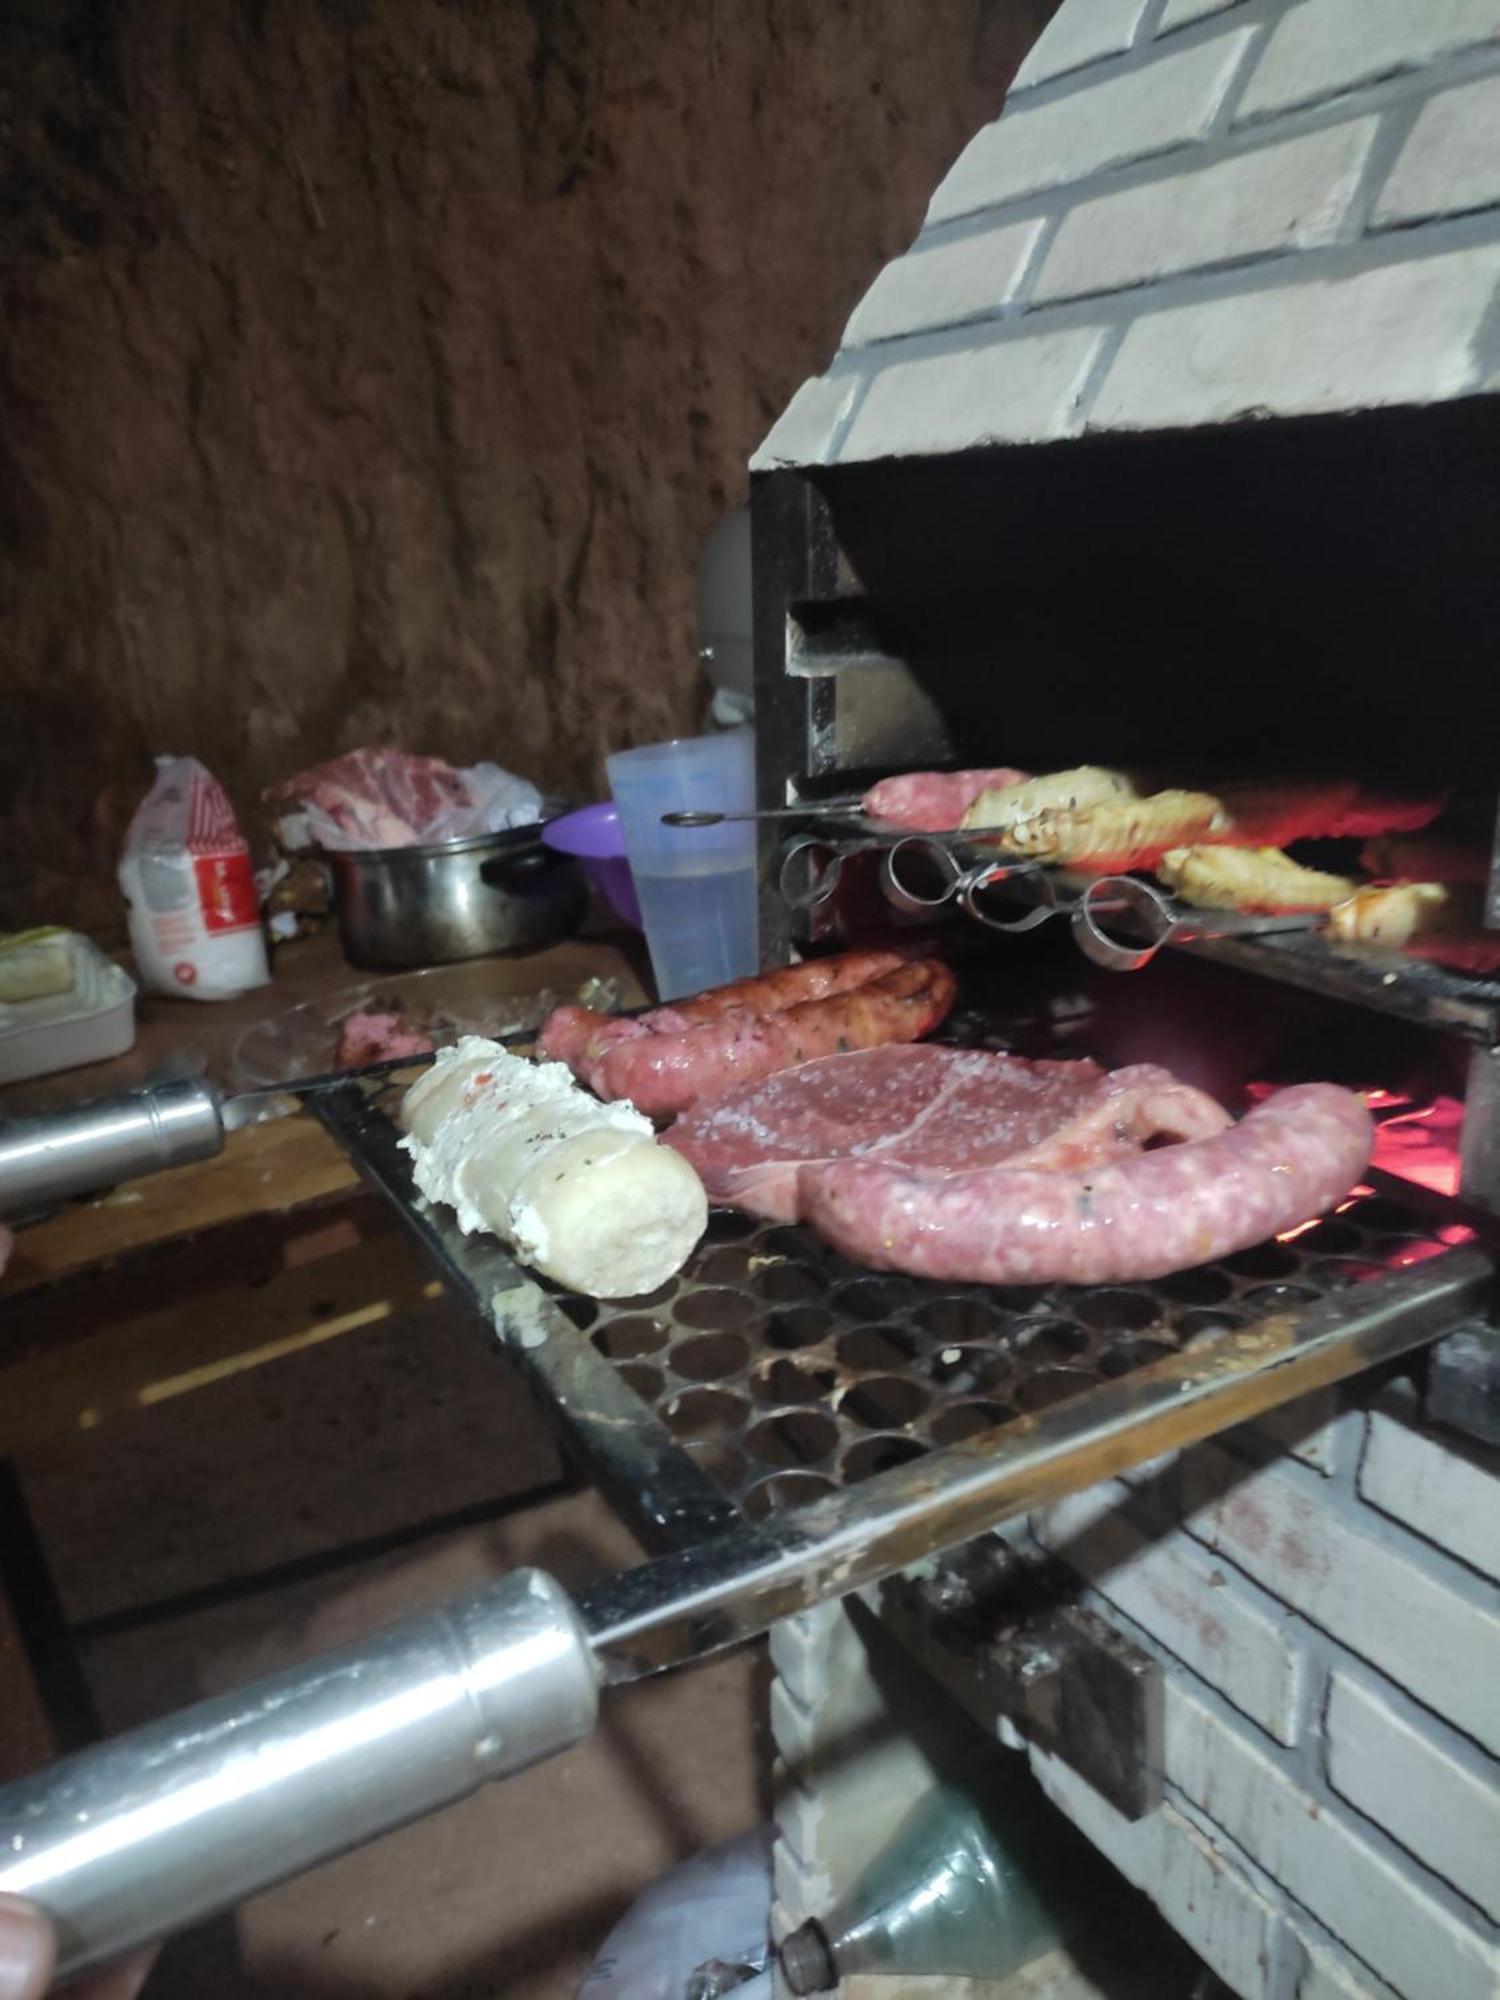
[1345,1500]
[1394,130]
[1145,49]
[1441,1745]
[1410,89]
[1278,272]
[1305,1761]
[1239,1751]
[1487,340]
[1229,104]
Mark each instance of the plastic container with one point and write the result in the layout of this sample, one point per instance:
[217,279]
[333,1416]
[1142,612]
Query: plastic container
[594,837]
[92,1022]
[696,884]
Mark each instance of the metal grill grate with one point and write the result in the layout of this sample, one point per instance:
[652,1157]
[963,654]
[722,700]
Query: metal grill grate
[785,1371]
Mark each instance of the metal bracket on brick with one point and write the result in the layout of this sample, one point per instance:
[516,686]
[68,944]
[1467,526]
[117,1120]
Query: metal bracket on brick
[1000,1631]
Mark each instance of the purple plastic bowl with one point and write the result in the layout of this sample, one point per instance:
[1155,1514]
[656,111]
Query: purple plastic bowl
[593,836]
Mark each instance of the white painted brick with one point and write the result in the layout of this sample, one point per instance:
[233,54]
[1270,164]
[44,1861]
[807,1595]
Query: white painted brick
[1178,13]
[1322,47]
[1080,32]
[1380,1911]
[803,1649]
[1444,1809]
[1194,1884]
[1402,334]
[1287,197]
[804,431]
[1435,1490]
[1012,391]
[1329,1976]
[1451,159]
[1194,1606]
[944,286]
[1378,1600]
[1312,1430]
[1166,103]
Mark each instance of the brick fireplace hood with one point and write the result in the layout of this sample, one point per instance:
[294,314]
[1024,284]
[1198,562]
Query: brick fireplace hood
[1191,212]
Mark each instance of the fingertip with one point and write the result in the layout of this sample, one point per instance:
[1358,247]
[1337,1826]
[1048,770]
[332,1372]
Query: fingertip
[28,1950]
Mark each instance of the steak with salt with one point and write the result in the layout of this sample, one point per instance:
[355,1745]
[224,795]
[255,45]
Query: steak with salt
[930,1111]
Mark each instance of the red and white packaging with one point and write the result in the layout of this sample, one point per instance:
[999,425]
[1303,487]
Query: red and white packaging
[194,912]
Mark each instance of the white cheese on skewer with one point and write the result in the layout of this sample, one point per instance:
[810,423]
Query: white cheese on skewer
[579,1189]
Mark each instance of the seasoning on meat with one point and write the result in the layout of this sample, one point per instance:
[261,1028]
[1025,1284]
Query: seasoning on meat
[1249,878]
[1121,834]
[667,1059]
[1136,1218]
[933,1110]
[1060,791]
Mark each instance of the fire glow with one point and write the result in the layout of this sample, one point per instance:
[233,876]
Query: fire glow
[1418,1142]
[1415,1141]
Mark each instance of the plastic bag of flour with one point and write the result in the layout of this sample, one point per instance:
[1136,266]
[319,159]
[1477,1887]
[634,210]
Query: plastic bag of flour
[194,912]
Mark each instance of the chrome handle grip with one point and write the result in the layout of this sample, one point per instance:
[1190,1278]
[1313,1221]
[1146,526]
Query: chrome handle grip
[156,1829]
[89,1146]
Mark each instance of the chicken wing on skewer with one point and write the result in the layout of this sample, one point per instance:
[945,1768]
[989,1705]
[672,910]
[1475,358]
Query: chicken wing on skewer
[1124,834]
[1250,878]
[1059,791]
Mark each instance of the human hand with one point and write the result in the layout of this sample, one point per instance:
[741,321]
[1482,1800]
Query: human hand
[28,1952]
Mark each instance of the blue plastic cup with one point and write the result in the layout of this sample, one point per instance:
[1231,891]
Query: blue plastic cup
[696,884]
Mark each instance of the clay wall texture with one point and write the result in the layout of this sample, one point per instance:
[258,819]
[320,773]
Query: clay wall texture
[373,371]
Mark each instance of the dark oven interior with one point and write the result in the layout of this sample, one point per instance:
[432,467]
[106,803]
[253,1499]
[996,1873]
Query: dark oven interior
[1317,598]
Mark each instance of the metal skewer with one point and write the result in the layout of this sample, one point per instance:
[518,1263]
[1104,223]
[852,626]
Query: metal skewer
[825,808]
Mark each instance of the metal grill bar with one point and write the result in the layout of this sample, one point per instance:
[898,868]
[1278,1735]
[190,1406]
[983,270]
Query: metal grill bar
[729,1590]
[651,1481]
[833,1405]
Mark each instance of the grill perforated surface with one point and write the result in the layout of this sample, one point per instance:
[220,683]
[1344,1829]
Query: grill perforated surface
[785,1371]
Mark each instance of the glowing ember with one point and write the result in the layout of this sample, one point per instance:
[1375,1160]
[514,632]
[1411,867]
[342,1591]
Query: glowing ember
[1417,1142]
[1420,1143]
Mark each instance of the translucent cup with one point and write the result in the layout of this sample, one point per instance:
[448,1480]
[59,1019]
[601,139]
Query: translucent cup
[697,885]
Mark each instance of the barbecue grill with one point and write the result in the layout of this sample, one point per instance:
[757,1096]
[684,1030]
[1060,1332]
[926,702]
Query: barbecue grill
[785,1429]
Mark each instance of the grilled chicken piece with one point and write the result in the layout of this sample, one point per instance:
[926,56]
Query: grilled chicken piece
[1407,913]
[1059,791]
[1128,833]
[1250,878]
[1408,858]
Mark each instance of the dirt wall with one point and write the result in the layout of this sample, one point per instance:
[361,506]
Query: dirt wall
[372,369]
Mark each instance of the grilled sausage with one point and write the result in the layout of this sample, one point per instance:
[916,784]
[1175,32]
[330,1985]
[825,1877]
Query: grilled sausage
[666,1060]
[933,801]
[1288,1160]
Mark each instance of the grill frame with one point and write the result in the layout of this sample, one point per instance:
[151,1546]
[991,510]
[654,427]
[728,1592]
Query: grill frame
[674,1496]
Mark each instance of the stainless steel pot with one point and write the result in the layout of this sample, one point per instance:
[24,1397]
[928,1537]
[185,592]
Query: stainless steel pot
[403,906]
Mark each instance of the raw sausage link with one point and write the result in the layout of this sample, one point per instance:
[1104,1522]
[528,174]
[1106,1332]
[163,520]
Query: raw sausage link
[933,801]
[664,1073]
[1290,1159]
